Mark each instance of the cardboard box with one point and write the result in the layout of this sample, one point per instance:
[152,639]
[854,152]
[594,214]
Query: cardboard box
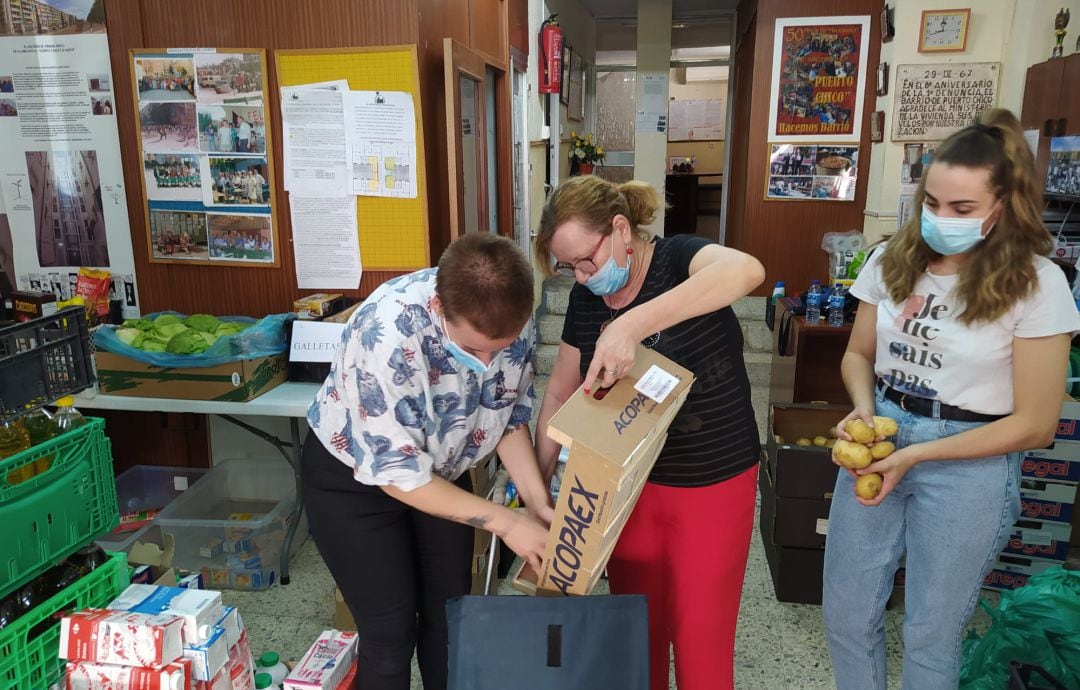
[234,382]
[793,522]
[1069,421]
[1012,572]
[796,573]
[343,618]
[482,475]
[318,305]
[1045,540]
[614,437]
[800,471]
[27,306]
[480,572]
[1059,463]
[343,316]
[1047,501]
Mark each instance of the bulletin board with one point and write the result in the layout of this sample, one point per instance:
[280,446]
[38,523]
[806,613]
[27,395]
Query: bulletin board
[393,231]
[191,218]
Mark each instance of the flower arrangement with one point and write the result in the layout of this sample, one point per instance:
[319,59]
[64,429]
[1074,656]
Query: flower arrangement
[583,150]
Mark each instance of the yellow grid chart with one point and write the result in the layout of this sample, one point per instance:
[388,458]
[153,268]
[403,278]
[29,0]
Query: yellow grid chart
[393,232]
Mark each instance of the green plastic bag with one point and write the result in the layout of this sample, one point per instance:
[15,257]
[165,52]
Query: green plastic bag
[1035,624]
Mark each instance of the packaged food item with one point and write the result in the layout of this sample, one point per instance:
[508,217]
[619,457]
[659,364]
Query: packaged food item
[191,581]
[237,544]
[121,637]
[318,305]
[222,681]
[350,678]
[85,675]
[199,608]
[211,549]
[93,286]
[325,664]
[232,625]
[208,656]
[28,305]
[241,671]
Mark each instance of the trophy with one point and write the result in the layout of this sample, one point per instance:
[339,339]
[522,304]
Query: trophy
[1060,22]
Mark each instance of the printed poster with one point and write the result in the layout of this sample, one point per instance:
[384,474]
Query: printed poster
[812,173]
[61,180]
[818,73]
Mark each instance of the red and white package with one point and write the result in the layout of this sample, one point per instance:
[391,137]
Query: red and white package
[86,675]
[124,639]
[241,671]
[222,681]
[350,678]
[325,664]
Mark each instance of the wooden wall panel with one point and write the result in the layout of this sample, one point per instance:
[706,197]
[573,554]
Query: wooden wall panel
[518,22]
[488,20]
[786,235]
[271,25]
[743,83]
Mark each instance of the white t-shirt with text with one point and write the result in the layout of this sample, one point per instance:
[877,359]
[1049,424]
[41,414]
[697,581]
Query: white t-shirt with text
[923,350]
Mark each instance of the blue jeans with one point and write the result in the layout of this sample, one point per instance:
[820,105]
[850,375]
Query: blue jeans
[952,518]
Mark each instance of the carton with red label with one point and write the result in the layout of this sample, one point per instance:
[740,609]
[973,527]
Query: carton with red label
[1060,463]
[241,671]
[325,664]
[1012,572]
[222,681]
[1047,501]
[201,609]
[87,675]
[1045,540]
[121,638]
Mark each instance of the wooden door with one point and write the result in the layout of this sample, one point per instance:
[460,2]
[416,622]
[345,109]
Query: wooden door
[465,74]
[1069,105]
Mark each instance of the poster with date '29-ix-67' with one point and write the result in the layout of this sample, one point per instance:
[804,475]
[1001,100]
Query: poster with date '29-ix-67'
[63,202]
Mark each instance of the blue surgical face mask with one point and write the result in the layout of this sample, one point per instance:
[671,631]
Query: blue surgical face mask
[609,278]
[949,236]
[465,359]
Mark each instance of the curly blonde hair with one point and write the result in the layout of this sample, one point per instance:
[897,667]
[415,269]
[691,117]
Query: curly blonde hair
[999,272]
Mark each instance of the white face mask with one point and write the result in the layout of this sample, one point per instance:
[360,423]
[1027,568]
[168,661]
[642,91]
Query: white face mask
[950,236]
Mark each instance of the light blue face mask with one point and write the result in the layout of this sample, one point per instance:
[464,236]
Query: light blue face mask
[465,359]
[950,236]
[609,278]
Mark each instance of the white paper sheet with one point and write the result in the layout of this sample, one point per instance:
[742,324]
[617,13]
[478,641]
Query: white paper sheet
[381,127]
[1032,138]
[652,109]
[314,140]
[325,242]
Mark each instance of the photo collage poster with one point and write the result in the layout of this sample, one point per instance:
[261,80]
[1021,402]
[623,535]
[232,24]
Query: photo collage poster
[1063,170]
[812,172]
[204,144]
[63,203]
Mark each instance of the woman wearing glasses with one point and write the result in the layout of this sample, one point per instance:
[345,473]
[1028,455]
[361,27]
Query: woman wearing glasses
[685,544]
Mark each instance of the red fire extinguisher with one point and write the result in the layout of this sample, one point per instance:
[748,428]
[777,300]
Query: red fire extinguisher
[551,40]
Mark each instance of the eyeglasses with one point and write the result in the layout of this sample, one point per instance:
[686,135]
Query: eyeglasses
[586,265]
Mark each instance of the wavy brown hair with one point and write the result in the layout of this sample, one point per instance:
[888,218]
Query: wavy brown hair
[595,202]
[999,271]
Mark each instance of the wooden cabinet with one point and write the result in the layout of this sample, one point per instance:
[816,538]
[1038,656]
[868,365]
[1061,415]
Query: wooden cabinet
[1052,104]
[809,369]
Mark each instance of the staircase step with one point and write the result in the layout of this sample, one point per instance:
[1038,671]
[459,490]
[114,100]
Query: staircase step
[540,386]
[557,294]
[758,367]
[750,308]
[550,327]
[756,336]
[545,359]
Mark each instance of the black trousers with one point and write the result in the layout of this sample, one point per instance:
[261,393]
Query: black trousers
[395,566]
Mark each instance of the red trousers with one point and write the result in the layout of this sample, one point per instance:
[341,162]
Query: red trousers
[685,550]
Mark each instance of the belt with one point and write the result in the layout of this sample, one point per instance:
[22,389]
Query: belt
[925,407]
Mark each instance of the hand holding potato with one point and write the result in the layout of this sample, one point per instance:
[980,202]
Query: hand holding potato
[851,455]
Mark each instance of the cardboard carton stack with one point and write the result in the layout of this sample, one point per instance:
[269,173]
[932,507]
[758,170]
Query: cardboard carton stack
[483,481]
[158,638]
[614,437]
[796,484]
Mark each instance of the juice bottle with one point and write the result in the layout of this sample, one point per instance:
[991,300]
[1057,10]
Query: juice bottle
[14,439]
[40,426]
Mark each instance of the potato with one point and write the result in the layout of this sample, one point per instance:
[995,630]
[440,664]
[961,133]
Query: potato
[803,442]
[860,431]
[852,455]
[885,426]
[882,449]
[832,432]
[868,486]
[820,441]
[830,443]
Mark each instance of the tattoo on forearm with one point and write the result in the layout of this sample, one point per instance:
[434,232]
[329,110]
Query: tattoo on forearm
[480,521]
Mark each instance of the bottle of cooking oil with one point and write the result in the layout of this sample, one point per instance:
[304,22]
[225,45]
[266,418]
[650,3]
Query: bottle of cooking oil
[67,417]
[41,427]
[13,440]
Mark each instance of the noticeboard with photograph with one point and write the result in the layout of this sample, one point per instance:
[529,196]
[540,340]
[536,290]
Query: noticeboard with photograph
[812,172]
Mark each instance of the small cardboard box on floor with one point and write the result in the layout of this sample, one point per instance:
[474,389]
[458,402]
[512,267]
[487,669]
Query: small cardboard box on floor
[237,381]
[614,439]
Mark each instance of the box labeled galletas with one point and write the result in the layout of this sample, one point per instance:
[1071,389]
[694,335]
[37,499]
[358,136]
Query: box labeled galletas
[199,608]
[1046,540]
[121,637]
[614,436]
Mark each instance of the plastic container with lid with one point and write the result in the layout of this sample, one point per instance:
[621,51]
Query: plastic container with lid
[263,680]
[270,664]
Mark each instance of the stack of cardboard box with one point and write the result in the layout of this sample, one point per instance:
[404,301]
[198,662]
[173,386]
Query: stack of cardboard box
[796,484]
[483,480]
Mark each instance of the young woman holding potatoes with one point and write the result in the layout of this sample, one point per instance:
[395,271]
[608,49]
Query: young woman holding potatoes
[962,339]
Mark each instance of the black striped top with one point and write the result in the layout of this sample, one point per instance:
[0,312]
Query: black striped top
[714,436]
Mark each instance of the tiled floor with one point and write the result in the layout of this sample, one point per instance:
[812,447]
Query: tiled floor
[778,646]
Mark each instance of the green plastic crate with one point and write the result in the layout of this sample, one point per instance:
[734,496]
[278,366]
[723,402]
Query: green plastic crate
[29,655]
[47,517]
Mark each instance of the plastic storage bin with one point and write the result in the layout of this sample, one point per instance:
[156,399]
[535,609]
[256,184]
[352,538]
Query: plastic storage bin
[45,518]
[144,488]
[30,647]
[231,525]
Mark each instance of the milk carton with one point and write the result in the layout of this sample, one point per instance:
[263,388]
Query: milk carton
[199,608]
[121,638]
[325,664]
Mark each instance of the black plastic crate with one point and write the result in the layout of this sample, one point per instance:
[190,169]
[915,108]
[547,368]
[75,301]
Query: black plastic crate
[42,360]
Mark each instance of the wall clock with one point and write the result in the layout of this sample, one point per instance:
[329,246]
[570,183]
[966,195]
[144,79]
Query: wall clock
[944,31]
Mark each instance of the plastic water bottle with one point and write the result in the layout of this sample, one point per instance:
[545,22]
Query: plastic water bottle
[813,303]
[270,663]
[836,306]
[777,292]
[67,417]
